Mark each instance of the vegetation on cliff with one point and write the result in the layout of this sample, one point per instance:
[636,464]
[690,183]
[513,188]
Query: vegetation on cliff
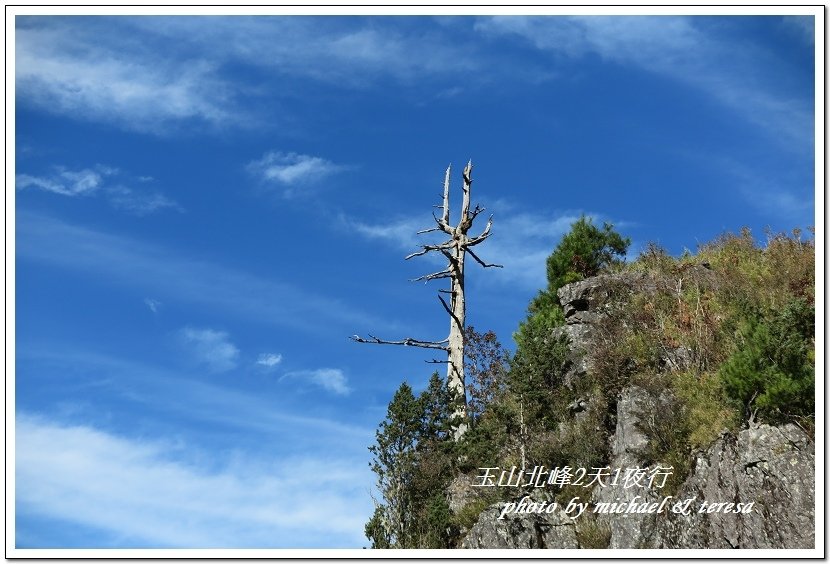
[720,339]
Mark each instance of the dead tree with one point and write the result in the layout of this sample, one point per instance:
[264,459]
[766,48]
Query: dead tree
[455,250]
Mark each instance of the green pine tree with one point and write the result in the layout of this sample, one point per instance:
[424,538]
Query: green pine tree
[583,252]
[394,464]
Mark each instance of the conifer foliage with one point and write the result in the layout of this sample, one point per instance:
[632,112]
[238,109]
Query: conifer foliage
[412,458]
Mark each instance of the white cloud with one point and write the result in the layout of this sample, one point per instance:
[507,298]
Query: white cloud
[149,492]
[292,170]
[330,379]
[99,180]
[139,203]
[154,305]
[269,360]
[211,348]
[91,74]
[157,74]
[402,232]
[341,51]
[64,182]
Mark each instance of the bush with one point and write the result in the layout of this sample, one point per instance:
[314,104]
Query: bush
[771,374]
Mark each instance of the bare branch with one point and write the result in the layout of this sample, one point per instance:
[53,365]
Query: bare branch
[445,227]
[450,257]
[434,276]
[486,233]
[465,204]
[434,361]
[445,216]
[407,342]
[478,209]
[449,310]
[430,230]
[481,262]
[427,248]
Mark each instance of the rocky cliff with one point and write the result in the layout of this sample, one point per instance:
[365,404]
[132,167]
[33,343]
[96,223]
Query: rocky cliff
[752,488]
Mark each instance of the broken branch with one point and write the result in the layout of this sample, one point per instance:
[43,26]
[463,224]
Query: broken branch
[445,216]
[478,209]
[449,310]
[427,248]
[465,203]
[481,262]
[486,233]
[408,342]
[434,276]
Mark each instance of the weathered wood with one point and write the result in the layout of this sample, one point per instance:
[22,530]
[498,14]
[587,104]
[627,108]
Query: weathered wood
[455,250]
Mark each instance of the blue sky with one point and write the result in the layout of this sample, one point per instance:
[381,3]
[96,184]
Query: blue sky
[206,208]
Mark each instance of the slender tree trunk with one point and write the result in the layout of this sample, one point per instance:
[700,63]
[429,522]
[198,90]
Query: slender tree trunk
[455,250]
[455,368]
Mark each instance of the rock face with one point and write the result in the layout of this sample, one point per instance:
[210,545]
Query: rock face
[773,467]
[555,530]
[770,467]
[584,304]
[627,530]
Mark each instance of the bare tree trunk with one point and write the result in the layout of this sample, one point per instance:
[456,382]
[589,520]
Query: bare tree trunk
[455,369]
[455,250]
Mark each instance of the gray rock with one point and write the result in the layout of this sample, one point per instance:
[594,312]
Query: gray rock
[772,467]
[586,300]
[580,337]
[628,530]
[555,530]
[461,492]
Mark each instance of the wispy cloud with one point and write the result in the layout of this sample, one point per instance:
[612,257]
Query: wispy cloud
[64,182]
[269,360]
[401,232]
[169,275]
[102,180]
[736,73]
[150,493]
[80,68]
[330,379]
[139,203]
[788,195]
[160,74]
[292,171]
[157,74]
[211,348]
[154,305]
[349,52]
